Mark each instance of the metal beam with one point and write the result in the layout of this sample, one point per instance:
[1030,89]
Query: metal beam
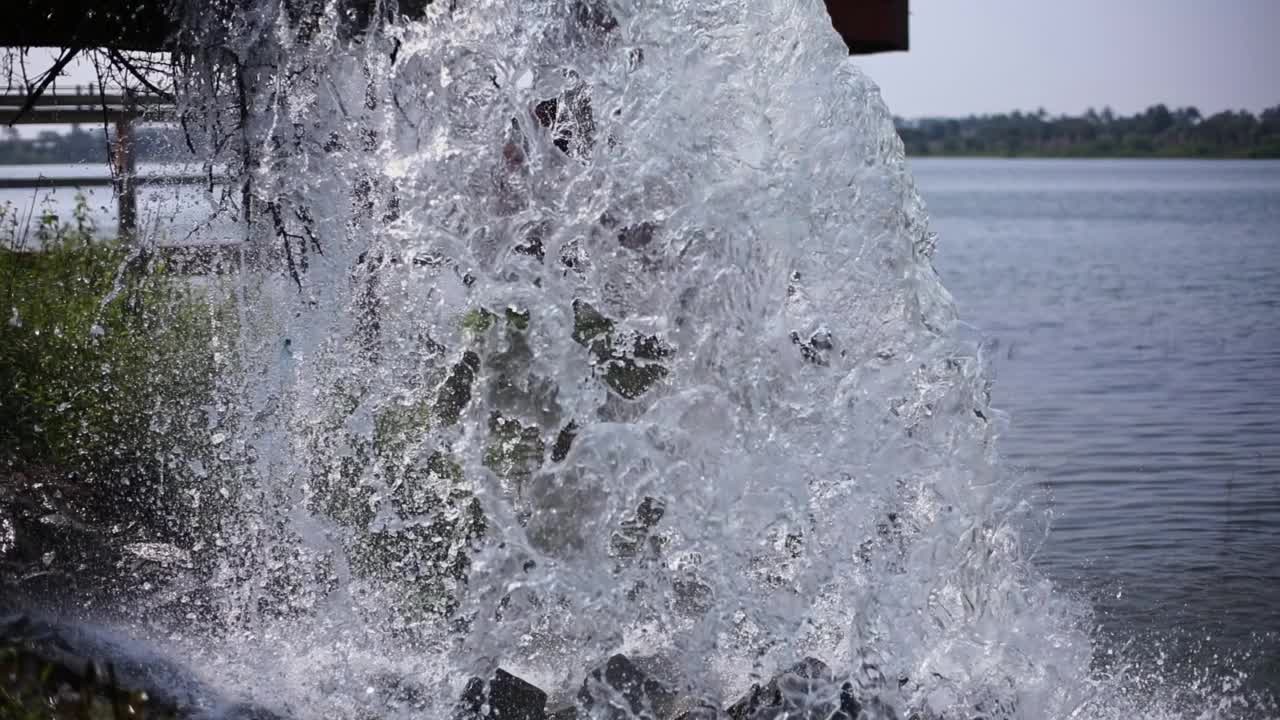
[79,99]
[60,116]
[871,26]
[39,183]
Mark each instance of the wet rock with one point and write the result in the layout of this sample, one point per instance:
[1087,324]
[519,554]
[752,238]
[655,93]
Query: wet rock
[471,704]
[570,120]
[637,237]
[504,697]
[806,691]
[630,362]
[564,441]
[633,537]
[456,392]
[513,450]
[621,690]
[814,349]
[692,596]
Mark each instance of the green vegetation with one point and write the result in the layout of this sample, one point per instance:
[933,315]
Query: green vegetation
[35,688]
[1157,132]
[107,365]
[109,389]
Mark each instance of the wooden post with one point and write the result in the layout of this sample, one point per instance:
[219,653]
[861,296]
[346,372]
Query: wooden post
[125,172]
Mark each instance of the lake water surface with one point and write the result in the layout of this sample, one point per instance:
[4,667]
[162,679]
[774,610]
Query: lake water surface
[1135,311]
[172,213]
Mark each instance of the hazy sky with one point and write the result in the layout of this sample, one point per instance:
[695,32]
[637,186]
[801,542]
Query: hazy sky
[976,56]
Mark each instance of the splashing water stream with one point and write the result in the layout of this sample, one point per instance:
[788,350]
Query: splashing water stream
[577,329]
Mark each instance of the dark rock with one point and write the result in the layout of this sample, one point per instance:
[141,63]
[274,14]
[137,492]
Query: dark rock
[630,379]
[812,351]
[564,441]
[570,120]
[471,704]
[692,596]
[636,237]
[513,450]
[456,392]
[505,697]
[511,698]
[591,327]
[594,15]
[533,247]
[618,355]
[620,690]
[806,691]
[630,540]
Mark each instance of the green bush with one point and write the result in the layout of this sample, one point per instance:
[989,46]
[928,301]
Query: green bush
[35,688]
[107,366]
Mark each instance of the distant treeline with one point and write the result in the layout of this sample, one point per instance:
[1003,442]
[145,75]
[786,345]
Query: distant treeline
[1157,132]
[153,144]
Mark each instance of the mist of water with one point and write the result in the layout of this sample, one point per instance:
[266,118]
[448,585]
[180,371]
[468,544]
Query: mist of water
[576,329]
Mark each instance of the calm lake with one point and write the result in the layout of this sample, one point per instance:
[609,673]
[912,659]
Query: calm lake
[1133,308]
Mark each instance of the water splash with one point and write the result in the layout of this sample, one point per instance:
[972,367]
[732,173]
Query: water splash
[581,327]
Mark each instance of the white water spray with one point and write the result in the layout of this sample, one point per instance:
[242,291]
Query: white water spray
[582,329]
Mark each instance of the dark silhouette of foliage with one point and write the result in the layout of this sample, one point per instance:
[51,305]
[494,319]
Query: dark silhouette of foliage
[1157,132]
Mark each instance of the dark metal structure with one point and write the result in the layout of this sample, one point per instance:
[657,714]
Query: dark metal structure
[871,26]
[867,26]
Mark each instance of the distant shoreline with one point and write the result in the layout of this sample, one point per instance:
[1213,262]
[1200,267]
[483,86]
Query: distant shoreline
[1158,132]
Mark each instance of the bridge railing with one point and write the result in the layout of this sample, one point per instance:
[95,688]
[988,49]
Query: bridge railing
[121,110]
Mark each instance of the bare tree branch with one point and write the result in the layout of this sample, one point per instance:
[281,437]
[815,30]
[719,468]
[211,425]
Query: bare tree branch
[45,81]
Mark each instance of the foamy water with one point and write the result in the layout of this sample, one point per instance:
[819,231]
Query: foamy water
[661,367]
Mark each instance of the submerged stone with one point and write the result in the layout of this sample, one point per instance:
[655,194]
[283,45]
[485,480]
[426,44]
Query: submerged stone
[807,690]
[504,697]
[629,361]
[620,690]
